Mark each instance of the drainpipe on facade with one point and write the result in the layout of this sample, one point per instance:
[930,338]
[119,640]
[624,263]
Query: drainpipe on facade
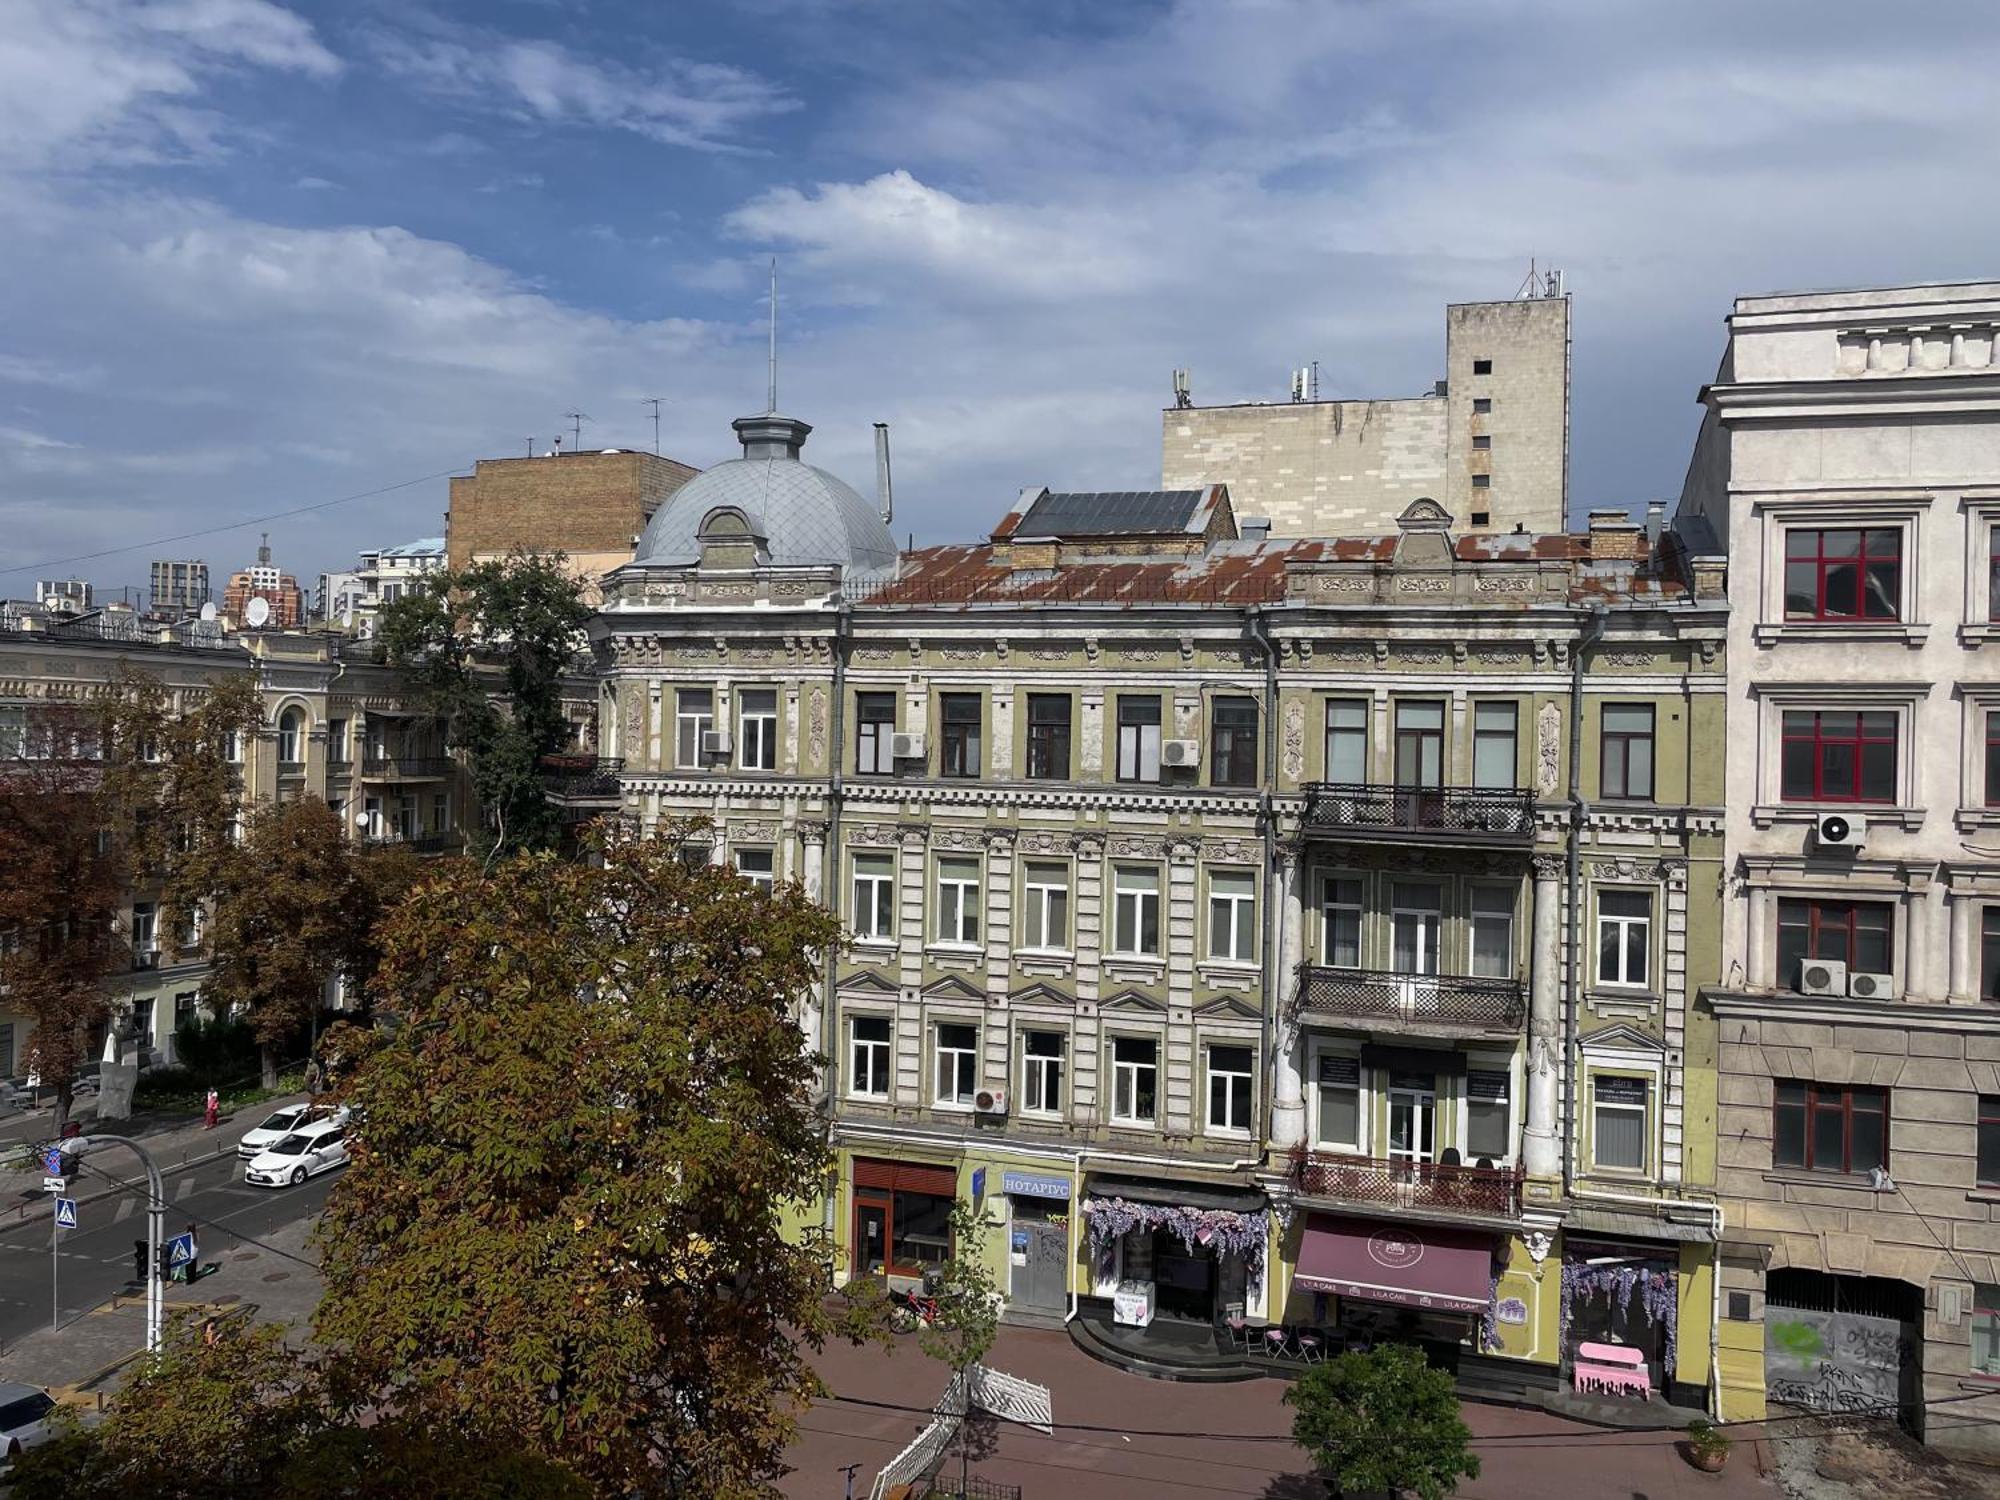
[1267,819]
[829,869]
[1592,631]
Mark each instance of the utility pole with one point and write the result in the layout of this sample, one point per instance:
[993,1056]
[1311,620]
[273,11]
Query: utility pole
[576,421]
[156,1220]
[654,402]
[531,447]
[55,1261]
[848,1470]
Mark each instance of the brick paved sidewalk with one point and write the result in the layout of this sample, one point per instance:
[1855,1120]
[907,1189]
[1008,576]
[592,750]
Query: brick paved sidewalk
[1525,1454]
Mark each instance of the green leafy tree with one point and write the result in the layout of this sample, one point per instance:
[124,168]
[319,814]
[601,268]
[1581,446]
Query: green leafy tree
[513,625]
[1383,1420]
[968,1312]
[562,1221]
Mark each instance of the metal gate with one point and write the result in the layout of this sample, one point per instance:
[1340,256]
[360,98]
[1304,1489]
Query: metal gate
[1040,1270]
[1843,1344]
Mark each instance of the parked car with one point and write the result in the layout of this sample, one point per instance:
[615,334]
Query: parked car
[318,1147]
[282,1123]
[24,1419]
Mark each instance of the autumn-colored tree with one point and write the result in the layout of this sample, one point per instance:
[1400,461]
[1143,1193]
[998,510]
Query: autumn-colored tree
[487,646]
[292,909]
[62,893]
[562,1223]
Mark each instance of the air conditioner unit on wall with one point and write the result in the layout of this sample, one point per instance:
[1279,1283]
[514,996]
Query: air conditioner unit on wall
[1185,753]
[906,746]
[715,742]
[990,1102]
[1840,831]
[1871,986]
[1822,976]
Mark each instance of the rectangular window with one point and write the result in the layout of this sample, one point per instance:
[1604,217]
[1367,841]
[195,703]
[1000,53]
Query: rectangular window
[336,742]
[1627,751]
[1481,443]
[1989,1141]
[957,1064]
[874,734]
[1856,933]
[874,896]
[1482,481]
[184,1007]
[754,865]
[145,932]
[1340,923]
[1624,936]
[1488,1118]
[1347,741]
[1986,1329]
[440,811]
[1138,737]
[1843,573]
[1618,1122]
[1232,742]
[958,743]
[1042,1071]
[868,1057]
[14,733]
[1838,757]
[958,901]
[1481,405]
[1993,574]
[1045,907]
[1494,754]
[1493,931]
[1820,1128]
[1048,736]
[1482,367]
[1136,926]
[1232,915]
[1229,1076]
[1339,1113]
[1135,1080]
[694,716]
[1989,952]
[757,731]
[1993,756]
[1420,744]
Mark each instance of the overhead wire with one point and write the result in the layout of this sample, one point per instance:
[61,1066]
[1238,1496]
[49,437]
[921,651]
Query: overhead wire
[179,1211]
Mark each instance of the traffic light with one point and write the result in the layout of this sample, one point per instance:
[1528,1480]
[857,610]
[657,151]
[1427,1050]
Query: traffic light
[138,1260]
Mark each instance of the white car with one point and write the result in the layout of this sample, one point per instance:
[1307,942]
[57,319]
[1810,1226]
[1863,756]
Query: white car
[283,1123]
[319,1147]
[24,1420]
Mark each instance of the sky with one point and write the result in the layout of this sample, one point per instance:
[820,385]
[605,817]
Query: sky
[257,257]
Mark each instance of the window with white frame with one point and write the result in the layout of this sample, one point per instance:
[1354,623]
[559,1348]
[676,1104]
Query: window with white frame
[868,1041]
[1618,1122]
[1624,937]
[757,732]
[694,718]
[1337,1113]
[1347,740]
[875,734]
[1136,913]
[1489,1120]
[755,866]
[1985,1329]
[1045,906]
[1042,1055]
[291,740]
[1229,1094]
[958,900]
[1232,916]
[957,1063]
[1135,1080]
[1492,931]
[145,932]
[1340,922]
[1138,737]
[336,743]
[874,896]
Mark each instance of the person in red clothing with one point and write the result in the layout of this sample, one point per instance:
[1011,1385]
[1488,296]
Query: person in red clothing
[213,1112]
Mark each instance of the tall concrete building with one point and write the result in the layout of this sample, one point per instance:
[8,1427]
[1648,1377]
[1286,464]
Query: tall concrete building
[1849,465]
[590,506]
[279,590]
[177,586]
[1490,440]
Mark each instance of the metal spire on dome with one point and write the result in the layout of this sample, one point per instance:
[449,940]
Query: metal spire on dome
[773,400]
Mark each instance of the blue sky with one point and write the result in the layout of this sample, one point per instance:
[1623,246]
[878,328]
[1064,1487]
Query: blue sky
[259,256]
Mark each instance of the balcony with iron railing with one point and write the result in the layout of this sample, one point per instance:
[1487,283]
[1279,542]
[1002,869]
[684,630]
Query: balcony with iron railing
[418,843]
[581,778]
[1426,1186]
[1430,814]
[383,766]
[1442,1004]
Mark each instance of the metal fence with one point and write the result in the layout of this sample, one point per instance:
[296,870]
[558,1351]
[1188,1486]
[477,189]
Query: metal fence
[1480,813]
[1460,1000]
[1407,1184]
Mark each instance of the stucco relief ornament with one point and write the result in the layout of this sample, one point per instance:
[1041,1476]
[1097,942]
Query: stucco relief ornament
[1538,1244]
[1295,739]
[816,726]
[1548,753]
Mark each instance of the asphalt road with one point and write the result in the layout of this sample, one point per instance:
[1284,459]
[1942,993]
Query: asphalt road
[96,1257]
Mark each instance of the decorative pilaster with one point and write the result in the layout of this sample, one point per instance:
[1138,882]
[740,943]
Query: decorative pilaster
[1542,1148]
[1964,980]
[813,836]
[1288,1105]
[1762,936]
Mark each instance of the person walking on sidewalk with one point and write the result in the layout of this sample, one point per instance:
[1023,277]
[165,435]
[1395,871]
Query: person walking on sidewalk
[213,1111]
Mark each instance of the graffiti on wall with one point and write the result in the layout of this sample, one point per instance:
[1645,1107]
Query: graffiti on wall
[1836,1361]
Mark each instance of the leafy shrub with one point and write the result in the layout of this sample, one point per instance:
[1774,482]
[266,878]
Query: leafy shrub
[216,1051]
[1384,1420]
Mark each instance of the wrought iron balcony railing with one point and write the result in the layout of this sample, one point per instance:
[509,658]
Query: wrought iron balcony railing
[1407,1184]
[1375,809]
[577,778]
[1456,1001]
[405,767]
[419,843]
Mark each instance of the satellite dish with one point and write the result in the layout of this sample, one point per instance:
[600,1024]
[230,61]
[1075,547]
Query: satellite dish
[257,612]
[208,613]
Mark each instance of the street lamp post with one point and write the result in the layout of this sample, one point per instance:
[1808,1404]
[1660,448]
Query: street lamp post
[156,1220]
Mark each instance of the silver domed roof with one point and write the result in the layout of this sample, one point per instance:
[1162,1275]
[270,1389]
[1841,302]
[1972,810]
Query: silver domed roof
[805,514]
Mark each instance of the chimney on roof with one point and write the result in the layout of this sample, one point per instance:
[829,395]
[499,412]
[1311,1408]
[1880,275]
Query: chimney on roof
[884,495]
[1614,536]
[1254,528]
[1656,522]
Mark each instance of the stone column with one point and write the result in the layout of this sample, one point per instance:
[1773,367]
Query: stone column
[814,877]
[1964,978]
[1288,1104]
[1542,1146]
[1761,943]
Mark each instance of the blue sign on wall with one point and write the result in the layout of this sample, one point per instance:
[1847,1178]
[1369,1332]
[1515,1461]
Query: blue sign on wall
[1029,1185]
[979,1184]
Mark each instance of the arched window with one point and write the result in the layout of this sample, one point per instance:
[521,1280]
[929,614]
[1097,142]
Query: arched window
[291,737]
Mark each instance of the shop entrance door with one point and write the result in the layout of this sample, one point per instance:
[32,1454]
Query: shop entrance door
[1038,1257]
[871,1235]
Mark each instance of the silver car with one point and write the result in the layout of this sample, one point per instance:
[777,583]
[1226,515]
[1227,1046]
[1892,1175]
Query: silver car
[281,1124]
[24,1419]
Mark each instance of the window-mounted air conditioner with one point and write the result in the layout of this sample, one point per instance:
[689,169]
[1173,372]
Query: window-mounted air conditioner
[1180,753]
[1871,986]
[1840,831]
[990,1102]
[715,742]
[906,746]
[1822,976]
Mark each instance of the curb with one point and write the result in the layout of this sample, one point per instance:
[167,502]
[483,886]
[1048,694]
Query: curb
[28,1216]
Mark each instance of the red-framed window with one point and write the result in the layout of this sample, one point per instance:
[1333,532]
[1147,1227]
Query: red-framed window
[1838,756]
[1843,573]
[1860,934]
[1828,1128]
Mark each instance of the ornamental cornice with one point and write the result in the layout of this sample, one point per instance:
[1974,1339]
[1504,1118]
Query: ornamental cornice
[874,834]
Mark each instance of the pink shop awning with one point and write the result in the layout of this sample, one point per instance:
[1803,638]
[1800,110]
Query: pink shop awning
[1410,1265]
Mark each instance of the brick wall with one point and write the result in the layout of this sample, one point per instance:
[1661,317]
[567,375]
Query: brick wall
[589,505]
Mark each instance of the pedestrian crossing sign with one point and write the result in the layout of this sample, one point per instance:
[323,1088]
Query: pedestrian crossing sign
[65,1213]
[180,1250]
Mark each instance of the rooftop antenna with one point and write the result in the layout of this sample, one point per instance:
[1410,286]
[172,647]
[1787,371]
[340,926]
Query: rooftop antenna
[531,447]
[883,493]
[654,402]
[1182,398]
[576,421]
[773,397]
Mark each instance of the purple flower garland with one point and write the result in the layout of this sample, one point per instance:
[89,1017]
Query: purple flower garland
[1227,1232]
[1656,1290]
[1489,1320]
